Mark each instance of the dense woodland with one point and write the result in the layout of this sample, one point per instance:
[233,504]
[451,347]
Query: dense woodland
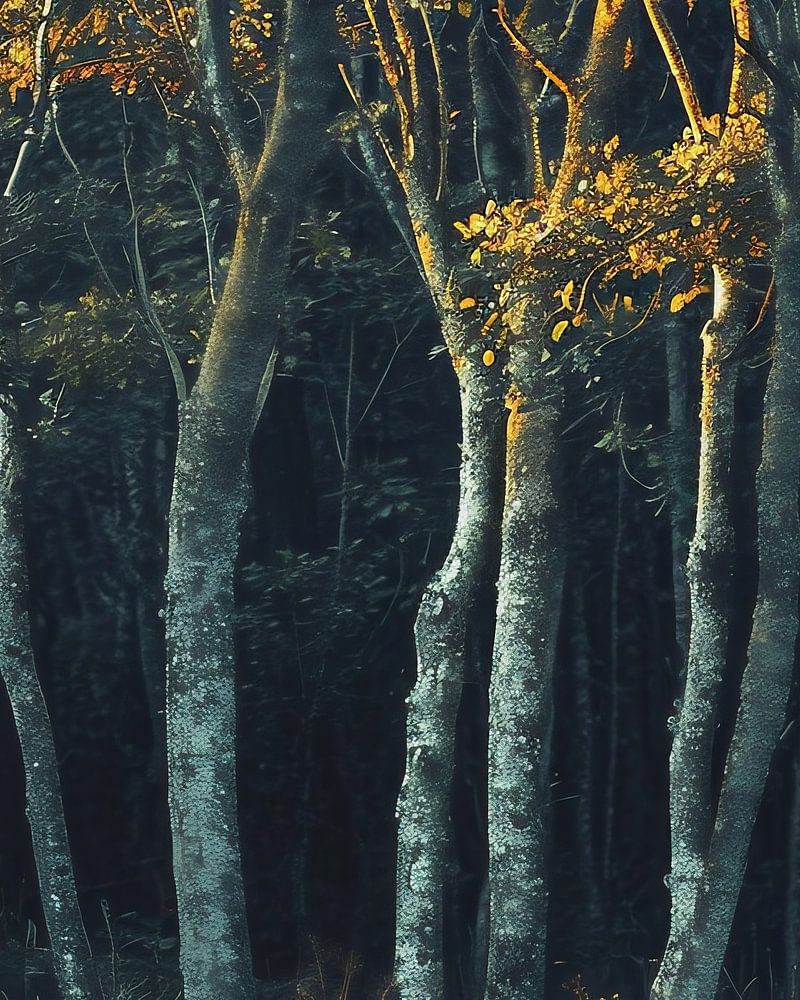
[399,541]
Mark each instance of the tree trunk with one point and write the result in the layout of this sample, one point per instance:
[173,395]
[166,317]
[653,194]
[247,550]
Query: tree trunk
[521,703]
[443,632]
[694,967]
[72,959]
[709,568]
[583,837]
[680,456]
[792,923]
[612,758]
[210,495]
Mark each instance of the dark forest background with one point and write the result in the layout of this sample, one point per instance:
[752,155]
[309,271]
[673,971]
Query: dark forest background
[355,467]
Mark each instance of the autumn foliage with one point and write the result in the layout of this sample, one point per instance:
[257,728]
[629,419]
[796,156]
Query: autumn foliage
[130,43]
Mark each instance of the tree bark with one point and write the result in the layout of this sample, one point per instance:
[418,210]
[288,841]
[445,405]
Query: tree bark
[583,834]
[443,633]
[708,571]
[521,703]
[72,959]
[612,758]
[792,923]
[680,457]
[694,967]
[210,494]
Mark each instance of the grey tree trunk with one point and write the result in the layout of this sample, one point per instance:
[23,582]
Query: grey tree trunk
[210,494]
[792,923]
[72,959]
[583,835]
[521,703]
[708,571]
[680,458]
[443,629]
[694,966]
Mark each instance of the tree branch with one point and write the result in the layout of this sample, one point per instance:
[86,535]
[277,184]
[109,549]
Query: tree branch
[216,83]
[677,66]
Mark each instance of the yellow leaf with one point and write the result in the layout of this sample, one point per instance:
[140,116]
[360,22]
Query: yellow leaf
[464,230]
[558,329]
[684,298]
[467,303]
[491,205]
[477,223]
[566,294]
[611,147]
[490,322]
[475,256]
[696,220]
[603,182]
[488,358]
[630,54]
[627,302]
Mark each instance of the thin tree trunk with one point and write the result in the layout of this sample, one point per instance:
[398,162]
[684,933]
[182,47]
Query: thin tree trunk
[709,568]
[586,868]
[72,959]
[521,702]
[210,495]
[680,453]
[792,925]
[442,632]
[694,965]
[610,790]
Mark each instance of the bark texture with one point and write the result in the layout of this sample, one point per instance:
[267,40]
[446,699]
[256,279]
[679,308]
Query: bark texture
[521,703]
[792,925]
[680,461]
[210,494]
[72,960]
[694,966]
[709,567]
[443,628]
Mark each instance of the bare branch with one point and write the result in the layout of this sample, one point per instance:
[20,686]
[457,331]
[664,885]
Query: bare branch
[38,117]
[677,66]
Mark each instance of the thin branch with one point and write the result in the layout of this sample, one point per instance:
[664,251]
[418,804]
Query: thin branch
[392,76]
[383,377]
[38,116]
[524,50]
[148,313]
[101,265]
[370,124]
[677,66]
[60,138]
[212,278]
[264,387]
[444,123]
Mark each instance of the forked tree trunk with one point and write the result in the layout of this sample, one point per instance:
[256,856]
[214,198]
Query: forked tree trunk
[444,627]
[694,967]
[708,571]
[210,494]
[72,960]
[521,701]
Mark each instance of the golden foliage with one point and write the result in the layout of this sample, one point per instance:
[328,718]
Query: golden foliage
[631,217]
[129,42]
